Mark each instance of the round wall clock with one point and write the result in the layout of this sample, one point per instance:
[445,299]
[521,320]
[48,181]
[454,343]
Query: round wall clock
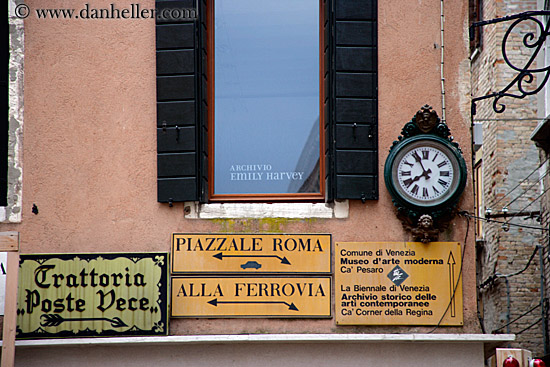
[425,174]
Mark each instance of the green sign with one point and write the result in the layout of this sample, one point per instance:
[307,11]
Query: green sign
[79,295]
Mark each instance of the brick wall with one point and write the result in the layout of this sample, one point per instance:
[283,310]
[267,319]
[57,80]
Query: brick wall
[508,157]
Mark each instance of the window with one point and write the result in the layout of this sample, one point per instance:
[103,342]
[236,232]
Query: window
[476,15]
[265,93]
[293,118]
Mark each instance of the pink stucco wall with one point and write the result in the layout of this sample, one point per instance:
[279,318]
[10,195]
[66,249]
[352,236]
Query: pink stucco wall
[89,149]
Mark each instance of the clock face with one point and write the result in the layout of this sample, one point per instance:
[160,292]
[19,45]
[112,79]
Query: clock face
[425,173]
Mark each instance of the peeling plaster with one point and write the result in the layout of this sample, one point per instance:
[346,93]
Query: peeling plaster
[12,213]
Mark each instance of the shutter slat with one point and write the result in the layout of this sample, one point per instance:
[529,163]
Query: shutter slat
[355,162]
[355,137]
[357,186]
[355,110]
[176,139]
[176,164]
[356,59]
[175,62]
[175,36]
[176,189]
[356,33]
[356,85]
[176,113]
[356,9]
[175,87]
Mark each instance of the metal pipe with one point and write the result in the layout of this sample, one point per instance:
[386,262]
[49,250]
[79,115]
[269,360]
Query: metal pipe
[443,107]
[542,308]
[507,305]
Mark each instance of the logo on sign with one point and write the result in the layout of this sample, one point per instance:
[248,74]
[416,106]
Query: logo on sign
[397,275]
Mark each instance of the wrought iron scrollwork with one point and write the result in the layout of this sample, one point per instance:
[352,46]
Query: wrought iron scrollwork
[526,73]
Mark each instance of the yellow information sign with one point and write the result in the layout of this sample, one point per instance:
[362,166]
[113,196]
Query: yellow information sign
[76,295]
[251,253]
[251,297]
[387,283]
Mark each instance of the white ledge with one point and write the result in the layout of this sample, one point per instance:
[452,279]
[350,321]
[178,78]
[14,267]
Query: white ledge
[267,210]
[274,338]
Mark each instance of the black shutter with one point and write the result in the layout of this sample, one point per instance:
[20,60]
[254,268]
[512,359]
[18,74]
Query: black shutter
[179,90]
[352,121]
[203,102]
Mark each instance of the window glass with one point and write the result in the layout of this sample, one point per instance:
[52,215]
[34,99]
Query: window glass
[266,97]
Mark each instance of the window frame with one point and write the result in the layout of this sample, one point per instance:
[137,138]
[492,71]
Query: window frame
[277,197]
[476,15]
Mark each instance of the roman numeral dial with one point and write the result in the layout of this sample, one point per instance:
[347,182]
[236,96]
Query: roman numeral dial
[425,174]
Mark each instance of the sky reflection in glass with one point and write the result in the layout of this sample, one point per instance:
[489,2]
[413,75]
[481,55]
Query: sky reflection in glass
[266,96]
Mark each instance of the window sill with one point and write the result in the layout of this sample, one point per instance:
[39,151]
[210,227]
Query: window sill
[338,209]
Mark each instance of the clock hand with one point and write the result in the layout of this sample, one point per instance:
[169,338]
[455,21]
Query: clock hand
[424,171]
[410,181]
[418,177]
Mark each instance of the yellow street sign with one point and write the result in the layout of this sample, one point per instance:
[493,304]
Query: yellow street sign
[398,283]
[251,253]
[76,295]
[251,297]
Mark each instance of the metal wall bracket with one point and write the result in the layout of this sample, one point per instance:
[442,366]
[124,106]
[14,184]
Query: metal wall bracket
[525,77]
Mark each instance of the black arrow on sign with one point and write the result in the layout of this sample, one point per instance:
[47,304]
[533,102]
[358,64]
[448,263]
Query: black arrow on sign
[215,303]
[451,262]
[56,320]
[284,260]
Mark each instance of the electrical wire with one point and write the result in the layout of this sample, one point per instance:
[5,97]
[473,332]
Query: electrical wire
[517,318]
[522,181]
[531,203]
[528,188]
[510,119]
[499,222]
[443,107]
[530,326]
[492,278]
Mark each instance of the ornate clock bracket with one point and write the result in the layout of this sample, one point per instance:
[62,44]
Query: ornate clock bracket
[425,224]
[425,121]
[425,229]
